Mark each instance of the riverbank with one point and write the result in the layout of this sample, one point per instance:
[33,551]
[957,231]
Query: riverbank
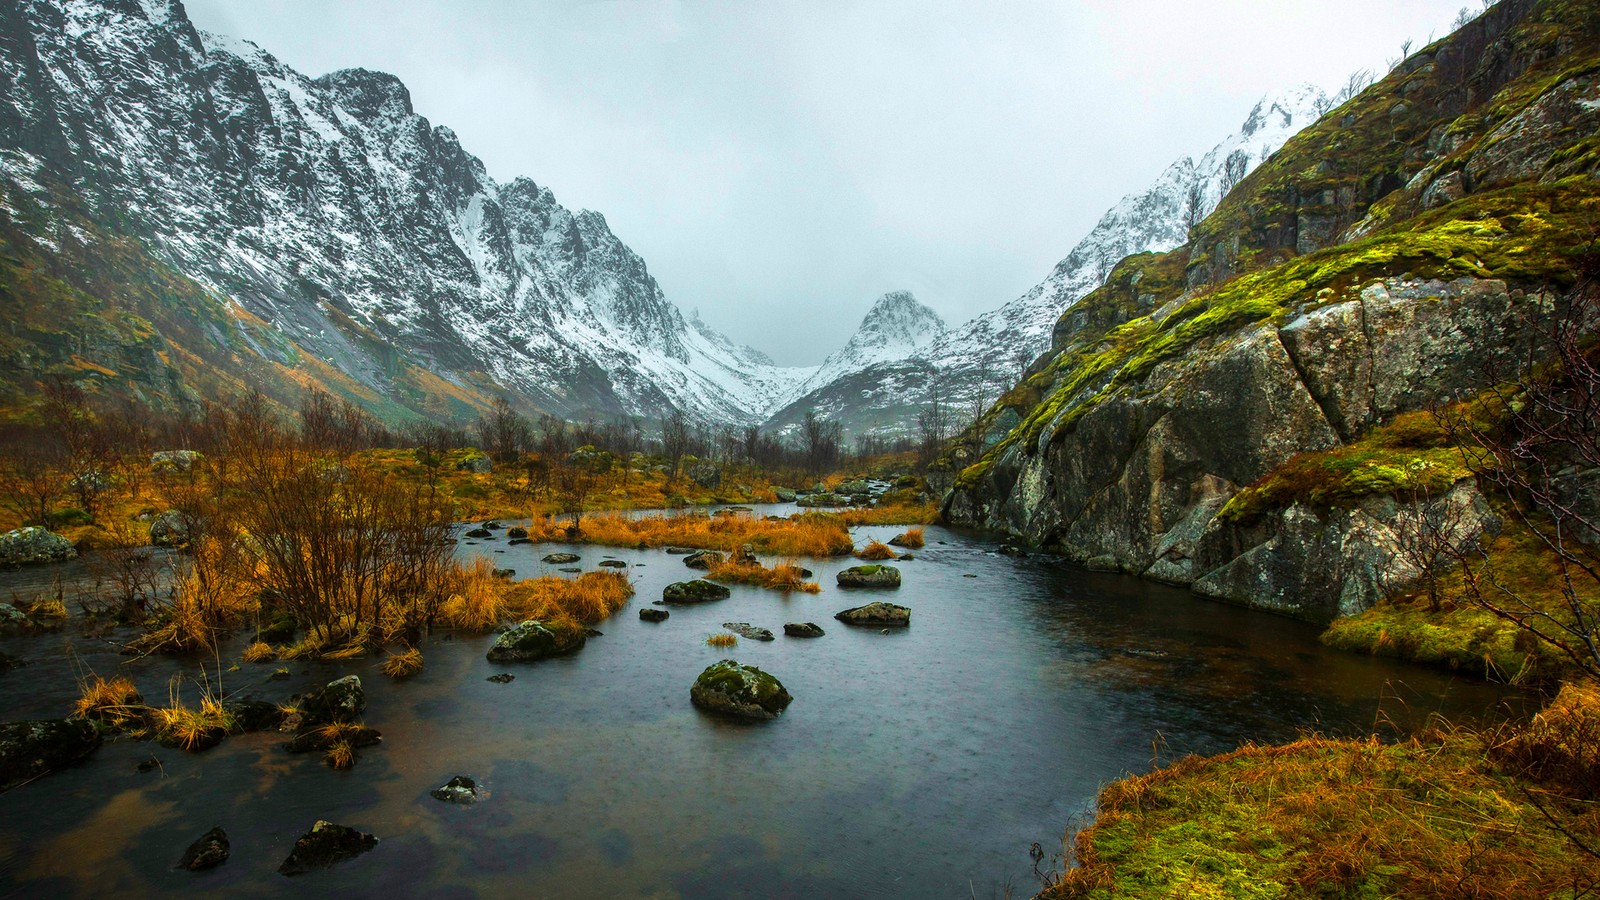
[1507,812]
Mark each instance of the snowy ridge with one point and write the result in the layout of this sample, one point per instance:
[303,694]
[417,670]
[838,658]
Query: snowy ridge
[351,224]
[978,360]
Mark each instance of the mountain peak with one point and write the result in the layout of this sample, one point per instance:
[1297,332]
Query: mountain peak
[898,319]
[368,95]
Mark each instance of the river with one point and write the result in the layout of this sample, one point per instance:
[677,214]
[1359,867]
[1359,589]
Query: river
[916,763]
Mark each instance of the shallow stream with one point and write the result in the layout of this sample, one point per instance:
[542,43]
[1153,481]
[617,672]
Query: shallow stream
[917,763]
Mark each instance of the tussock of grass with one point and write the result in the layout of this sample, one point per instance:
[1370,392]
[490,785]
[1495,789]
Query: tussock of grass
[403,665]
[478,602]
[188,728]
[722,640]
[801,535]
[588,598]
[785,576]
[876,551]
[912,539]
[260,652]
[340,755]
[116,703]
[892,514]
[1337,818]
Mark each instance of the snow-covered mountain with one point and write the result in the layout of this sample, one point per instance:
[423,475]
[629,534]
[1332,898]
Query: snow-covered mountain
[974,362]
[896,327]
[351,234]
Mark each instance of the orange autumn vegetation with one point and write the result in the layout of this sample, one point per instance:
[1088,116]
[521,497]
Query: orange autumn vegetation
[890,514]
[876,550]
[483,601]
[803,535]
[785,576]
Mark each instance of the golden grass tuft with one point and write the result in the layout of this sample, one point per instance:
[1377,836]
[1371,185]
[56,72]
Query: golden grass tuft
[809,535]
[587,599]
[340,755]
[722,640]
[260,652]
[912,538]
[478,602]
[785,576]
[116,702]
[876,550]
[193,729]
[403,665]
[894,514]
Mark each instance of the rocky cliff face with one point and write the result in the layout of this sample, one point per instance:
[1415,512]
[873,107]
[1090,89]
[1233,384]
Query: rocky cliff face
[1401,250]
[979,359]
[328,231]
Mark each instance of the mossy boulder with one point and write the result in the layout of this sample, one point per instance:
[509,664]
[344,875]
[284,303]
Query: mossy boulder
[460,790]
[31,749]
[170,529]
[474,461]
[748,631]
[733,689]
[324,845]
[534,640]
[172,462]
[703,559]
[877,615]
[651,614]
[516,532]
[784,495]
[822,500]
[480,533]
[869,577]
[26,546]
[557,559]
[340,700]
[803,630]
[694,592]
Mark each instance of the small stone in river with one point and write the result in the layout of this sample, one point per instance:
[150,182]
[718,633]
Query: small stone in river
[324,845]
[969,575]
[694,592]
[877,615]
[478,533]
[557,559]
[653,615]
[570,571]
[869,576]
[516,531]
[208,852]
[703,559]
[738,690]
[504,573]
[533,640]
[502,678]
[460,789]
[613,563]
[803,630]
[746,630]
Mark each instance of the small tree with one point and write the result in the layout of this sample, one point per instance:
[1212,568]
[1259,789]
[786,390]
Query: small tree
[820,440]
[676,437]
[504,433]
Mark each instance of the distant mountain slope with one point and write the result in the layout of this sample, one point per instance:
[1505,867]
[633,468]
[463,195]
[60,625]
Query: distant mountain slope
[378,252]
[983,356]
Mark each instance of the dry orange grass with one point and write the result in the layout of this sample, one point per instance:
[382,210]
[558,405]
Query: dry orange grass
[588,598]
[478,603]
[912,538]
[916,514]
[785,576]
[187,728]
[722,640]
[115,702]
[260,652]
[403,665]
[804,535]
[876,550]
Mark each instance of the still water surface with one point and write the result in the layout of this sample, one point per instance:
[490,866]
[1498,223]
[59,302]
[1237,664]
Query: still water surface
[918,763]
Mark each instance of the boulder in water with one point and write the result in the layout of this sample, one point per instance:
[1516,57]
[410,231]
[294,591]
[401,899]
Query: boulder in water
[703,559]
[877,615]
[734,689]
[746,630]
[34,748]
[869,576]
[803,630]
[556,559]
[534,640]
[324,845]
[649,614]
[208,852]
[460,789]
[694,592]
[340,700]
[33,544]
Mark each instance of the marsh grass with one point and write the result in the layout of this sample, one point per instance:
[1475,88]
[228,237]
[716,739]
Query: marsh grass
[115,703]
[785,576]
[807,535]
[403,665]
[913,538]
[340,755]
[192,728]
[259,652]
[889,514]
[876,551]
[722,640]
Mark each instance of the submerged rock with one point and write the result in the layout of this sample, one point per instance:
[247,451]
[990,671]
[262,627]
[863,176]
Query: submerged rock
[680,551]
[734,689]
[534,640]
[869,576]
[34,748]
[613,563]
[557,559]
[502,678]
[26,546]
[460,789]
[746,630]
[694,592]
[319,739]
[324,845]
[653,615]
[877,615]
[479,533]
[341,700]
[703,559]
[207,852]
[9,662]
[255,715]
[803,630]
[516,531]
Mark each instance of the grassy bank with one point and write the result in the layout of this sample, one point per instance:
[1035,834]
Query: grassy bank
[1448,814]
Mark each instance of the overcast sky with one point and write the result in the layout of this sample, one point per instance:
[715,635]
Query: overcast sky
[780,164]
